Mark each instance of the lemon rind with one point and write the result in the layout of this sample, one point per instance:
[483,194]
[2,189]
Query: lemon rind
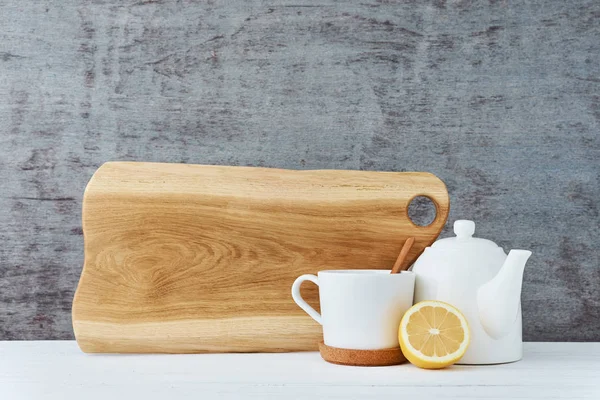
[449,358]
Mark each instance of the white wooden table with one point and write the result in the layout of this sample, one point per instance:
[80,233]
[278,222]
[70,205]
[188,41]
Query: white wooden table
[59,370]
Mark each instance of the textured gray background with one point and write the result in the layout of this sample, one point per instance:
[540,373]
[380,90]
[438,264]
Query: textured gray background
[501,99]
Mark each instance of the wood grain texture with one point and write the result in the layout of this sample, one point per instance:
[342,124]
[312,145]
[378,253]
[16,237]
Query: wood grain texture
[188,258]
[500,99]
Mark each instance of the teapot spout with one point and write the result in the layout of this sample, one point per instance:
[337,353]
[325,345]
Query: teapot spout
[499,299]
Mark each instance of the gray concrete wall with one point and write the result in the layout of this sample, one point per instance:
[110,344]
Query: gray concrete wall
[500,99]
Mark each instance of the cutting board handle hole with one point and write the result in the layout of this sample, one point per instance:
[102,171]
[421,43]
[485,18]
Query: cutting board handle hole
[422,211]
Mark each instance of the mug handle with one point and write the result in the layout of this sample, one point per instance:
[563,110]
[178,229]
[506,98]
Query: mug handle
[300,301]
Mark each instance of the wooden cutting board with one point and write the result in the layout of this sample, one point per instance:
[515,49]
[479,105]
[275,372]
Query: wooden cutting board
[193,258]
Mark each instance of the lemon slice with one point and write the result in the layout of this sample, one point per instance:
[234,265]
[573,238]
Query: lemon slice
[433,334]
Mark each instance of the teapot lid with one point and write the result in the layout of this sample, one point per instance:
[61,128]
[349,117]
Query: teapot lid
[464,230]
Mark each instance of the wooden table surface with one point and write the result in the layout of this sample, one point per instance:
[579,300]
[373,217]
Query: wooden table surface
[59,370]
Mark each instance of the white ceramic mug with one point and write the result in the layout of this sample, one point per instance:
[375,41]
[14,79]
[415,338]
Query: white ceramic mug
[360,309]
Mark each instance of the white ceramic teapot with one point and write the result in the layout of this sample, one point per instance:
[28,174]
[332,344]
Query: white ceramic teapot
[477,277]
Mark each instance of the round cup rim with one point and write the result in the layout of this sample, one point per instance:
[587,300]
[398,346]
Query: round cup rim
[362,272]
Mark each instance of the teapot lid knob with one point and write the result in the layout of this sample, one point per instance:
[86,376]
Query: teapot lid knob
[463,228]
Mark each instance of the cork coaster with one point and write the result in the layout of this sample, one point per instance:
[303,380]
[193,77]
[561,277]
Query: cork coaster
[361,358]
